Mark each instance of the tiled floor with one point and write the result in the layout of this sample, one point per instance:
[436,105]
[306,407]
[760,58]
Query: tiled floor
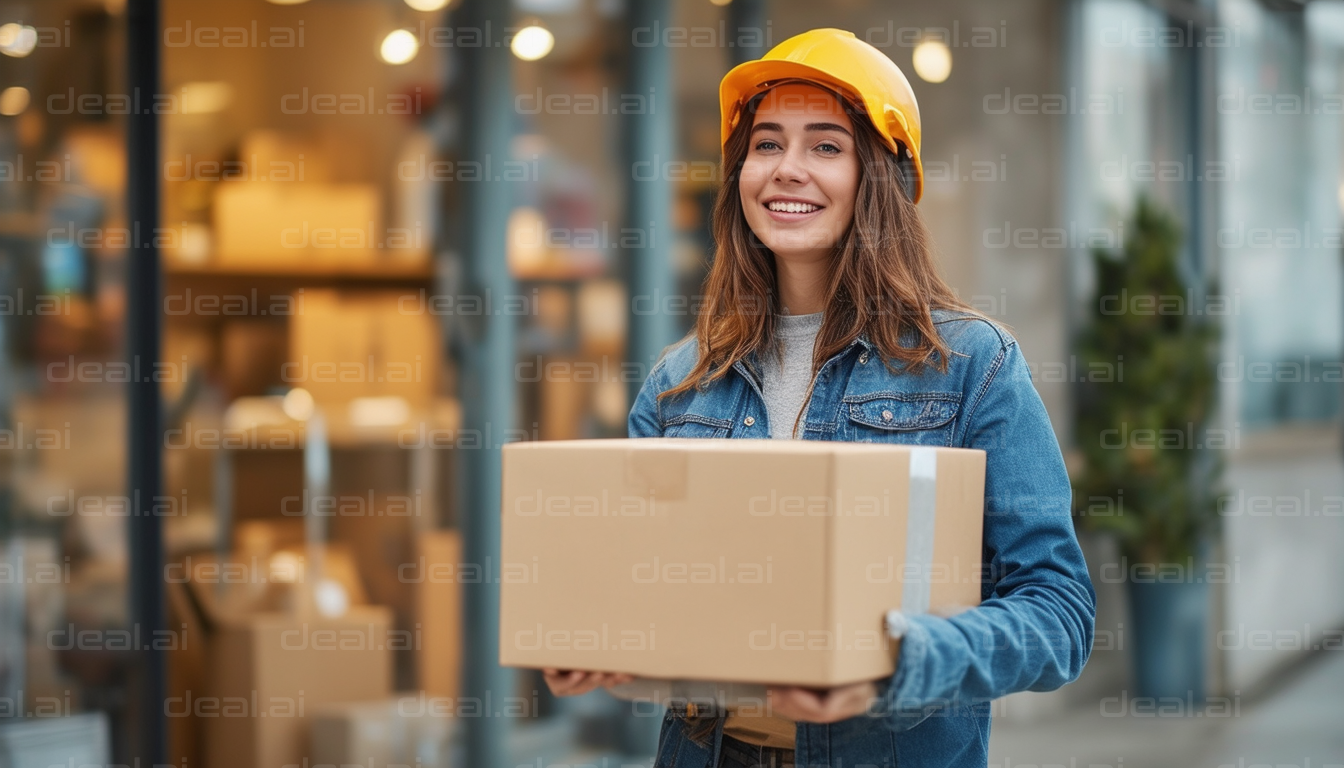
[1301,725]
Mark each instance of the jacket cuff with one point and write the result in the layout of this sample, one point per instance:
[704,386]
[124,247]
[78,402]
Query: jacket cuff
[904,695]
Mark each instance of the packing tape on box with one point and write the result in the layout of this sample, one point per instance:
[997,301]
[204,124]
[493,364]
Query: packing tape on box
[919,527]
[656,472]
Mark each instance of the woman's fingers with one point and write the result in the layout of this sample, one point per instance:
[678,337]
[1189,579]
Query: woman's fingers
[576,682]
[564,682]
[589,683]
[795,703]
[822,706]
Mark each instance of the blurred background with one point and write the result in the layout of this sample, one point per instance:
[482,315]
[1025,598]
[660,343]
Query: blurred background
[391,235]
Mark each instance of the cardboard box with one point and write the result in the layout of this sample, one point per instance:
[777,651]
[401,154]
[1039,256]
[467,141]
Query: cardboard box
[252,356]
[408,731]
[345,345]
[417,573]
[381,537]
[270,671]
[251,581]
[564,397]
[438,581]
[738,560]
[287,158]
[261,224]
[266,483]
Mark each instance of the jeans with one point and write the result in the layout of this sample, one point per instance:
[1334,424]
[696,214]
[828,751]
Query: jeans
[739,754]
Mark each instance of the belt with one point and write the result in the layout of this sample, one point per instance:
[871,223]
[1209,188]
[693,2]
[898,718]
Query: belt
[734,753]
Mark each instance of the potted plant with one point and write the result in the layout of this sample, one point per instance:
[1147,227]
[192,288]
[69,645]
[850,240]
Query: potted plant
[1150,354]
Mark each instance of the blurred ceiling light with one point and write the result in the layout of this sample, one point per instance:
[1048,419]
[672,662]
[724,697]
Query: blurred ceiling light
[720,2]
[287,2]
[399,47]
[206,97]
[298,404]
[532,43]
[933,61]
[13,100]
[427,5]
[331,598]
[17,40]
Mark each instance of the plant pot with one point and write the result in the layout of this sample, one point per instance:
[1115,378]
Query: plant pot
[1168,621]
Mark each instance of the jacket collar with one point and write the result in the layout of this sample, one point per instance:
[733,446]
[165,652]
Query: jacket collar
[750,369]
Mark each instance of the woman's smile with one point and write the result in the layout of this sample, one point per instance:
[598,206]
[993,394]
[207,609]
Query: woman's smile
[791,209]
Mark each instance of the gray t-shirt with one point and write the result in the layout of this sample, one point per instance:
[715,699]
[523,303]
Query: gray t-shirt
[785,381]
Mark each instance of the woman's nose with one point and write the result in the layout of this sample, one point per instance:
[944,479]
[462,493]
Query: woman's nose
[791,168]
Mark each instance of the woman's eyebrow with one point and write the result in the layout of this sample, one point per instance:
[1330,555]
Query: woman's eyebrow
[828,127]
[809,127]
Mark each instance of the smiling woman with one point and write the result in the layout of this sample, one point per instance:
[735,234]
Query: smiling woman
[826,319]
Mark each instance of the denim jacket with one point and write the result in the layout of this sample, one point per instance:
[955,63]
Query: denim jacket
[1033,630]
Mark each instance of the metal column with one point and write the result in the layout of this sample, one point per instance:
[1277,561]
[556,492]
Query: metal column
[751,36]
[145,440]
[486,355]
[650,145]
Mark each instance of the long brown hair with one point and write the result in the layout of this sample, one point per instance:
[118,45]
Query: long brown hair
[883,279]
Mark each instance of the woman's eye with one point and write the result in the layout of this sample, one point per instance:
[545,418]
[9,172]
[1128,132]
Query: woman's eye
[829,149]
[766,144]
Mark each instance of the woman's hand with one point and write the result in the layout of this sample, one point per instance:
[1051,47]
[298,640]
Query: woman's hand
[822,706]
[575,682]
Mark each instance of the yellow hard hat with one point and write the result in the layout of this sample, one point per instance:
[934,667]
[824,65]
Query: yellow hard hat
[837,59]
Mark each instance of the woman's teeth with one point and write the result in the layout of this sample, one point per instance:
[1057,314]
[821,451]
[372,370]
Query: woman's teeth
[783,207]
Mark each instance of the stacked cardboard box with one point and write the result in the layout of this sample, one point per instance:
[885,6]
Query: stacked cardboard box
[347,345]
[438,612]
[275,670]
[270,670]
[266,224]
[418,573]
[270,657]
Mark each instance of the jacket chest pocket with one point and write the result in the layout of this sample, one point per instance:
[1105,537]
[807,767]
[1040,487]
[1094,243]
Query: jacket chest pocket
[925,418]
[695,425]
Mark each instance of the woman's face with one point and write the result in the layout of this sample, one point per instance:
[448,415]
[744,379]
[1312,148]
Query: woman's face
[801,173]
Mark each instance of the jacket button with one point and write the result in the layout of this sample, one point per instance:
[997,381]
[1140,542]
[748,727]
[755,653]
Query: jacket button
[863,359]
[749,420]
[886,415]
